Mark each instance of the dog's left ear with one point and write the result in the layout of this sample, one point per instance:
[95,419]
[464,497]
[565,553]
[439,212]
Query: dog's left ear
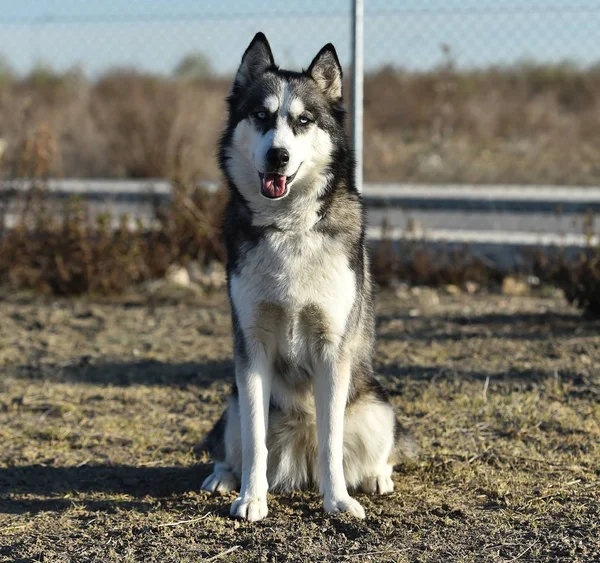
[326,71]
[256,60]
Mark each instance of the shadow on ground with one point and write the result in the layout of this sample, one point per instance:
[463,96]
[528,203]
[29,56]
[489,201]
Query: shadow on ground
[526,327]
[511,375]
[202,375]
[137,482]
[126,373]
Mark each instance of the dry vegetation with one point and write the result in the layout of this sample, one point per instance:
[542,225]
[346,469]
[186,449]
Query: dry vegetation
[125,124]
[524,124]
[530,124]
[527,124]
[67,251]
[102,403]
[578,277]
[70,252]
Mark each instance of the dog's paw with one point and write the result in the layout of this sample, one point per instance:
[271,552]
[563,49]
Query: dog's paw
[221,481]
[380,484]
[346,504]
[251,509]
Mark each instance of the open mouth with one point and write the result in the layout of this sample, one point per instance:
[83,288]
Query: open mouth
[275,186]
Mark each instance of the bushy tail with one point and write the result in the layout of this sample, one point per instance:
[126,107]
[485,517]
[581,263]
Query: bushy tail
[405,447]
[214,441]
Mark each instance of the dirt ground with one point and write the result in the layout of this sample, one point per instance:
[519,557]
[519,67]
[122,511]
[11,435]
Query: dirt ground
[102,402]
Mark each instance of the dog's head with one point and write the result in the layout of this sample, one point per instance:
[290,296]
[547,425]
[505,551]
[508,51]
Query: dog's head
[283,125]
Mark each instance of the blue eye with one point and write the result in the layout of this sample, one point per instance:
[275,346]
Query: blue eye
[303,120]
[261,114]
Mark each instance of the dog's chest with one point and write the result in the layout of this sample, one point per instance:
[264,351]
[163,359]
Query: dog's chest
[287,282]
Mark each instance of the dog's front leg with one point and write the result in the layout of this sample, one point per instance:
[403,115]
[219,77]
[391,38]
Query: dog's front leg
[332,380]
[253,378]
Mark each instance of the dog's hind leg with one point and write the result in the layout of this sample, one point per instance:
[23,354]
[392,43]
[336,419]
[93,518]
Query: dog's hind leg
[221,480]
[380,482]
[371,444]
[219,442]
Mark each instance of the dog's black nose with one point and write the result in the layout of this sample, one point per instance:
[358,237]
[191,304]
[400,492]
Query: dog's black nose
[277,158]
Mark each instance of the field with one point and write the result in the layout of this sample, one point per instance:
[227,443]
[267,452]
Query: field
[525,124]
[103,400]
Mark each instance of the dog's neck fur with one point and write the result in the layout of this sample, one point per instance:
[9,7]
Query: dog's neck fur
[297,213]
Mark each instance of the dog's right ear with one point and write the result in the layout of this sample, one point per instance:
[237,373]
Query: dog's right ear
[256,60]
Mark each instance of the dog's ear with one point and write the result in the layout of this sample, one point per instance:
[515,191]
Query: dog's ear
[256,60]
[326,71]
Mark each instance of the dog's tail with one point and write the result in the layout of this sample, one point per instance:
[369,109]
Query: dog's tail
[405,447]
[214,442]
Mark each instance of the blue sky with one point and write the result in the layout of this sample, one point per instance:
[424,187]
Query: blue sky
[155,34]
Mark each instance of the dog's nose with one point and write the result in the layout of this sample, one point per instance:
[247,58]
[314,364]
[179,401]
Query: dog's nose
[277,158]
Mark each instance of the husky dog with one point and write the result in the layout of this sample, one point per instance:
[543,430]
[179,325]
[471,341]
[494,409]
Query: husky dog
[306,409]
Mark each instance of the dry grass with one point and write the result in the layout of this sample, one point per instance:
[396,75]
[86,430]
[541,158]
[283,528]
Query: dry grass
[527,124]
[126,124]
[101,404]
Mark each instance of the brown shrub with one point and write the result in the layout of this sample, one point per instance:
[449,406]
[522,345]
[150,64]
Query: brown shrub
[151,124]
[419,264]
[70,252]
[578,277]
[527,124]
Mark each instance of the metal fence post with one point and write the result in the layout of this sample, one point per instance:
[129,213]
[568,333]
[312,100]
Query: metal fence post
[357,87]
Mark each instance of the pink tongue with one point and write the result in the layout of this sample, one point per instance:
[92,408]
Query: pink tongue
[274,185]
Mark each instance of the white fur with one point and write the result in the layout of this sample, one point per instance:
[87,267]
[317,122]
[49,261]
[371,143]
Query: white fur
[375,420]
[285,99]
[254,384]
[331,391]
[272,103]
[293,270]
[222,479]
[296,107]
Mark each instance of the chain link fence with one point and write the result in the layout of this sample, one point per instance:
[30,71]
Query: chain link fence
[457,91]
